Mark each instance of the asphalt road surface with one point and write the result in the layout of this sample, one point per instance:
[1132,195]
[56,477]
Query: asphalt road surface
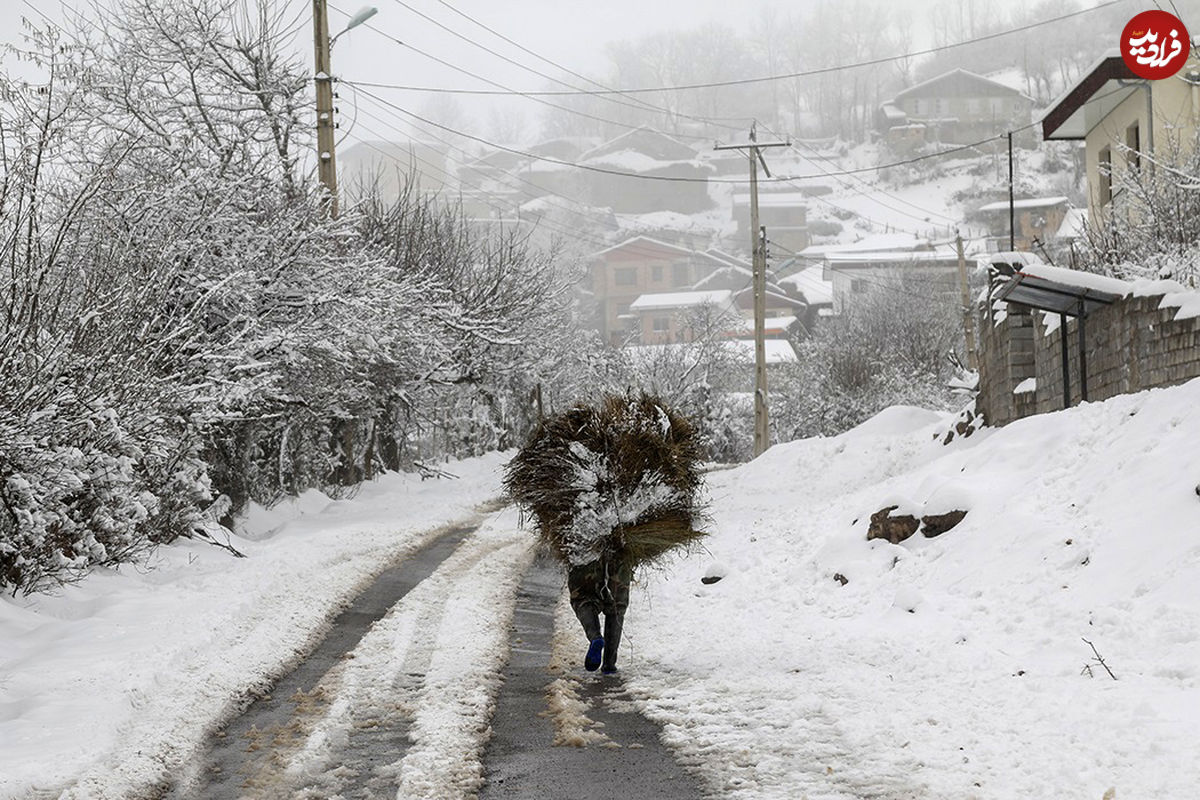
[521,759]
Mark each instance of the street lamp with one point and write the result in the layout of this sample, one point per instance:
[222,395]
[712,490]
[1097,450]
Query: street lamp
[364,14]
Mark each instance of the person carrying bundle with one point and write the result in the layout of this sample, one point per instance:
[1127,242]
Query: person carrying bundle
[610,487]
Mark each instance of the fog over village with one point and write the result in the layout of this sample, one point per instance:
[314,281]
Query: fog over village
[448,399]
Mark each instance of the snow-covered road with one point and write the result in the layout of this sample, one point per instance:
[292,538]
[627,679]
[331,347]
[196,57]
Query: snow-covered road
[822,666]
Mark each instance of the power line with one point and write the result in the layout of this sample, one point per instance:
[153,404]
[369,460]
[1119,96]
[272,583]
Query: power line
[872,187]
[768,78]
[641,105]
[506,90]
[717,121]
[670,178]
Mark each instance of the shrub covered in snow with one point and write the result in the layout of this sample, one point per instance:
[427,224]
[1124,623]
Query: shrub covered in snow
[889,347]
[184,328]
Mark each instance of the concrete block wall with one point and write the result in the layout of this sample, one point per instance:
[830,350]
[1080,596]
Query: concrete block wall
[1006,358]
[1132,345]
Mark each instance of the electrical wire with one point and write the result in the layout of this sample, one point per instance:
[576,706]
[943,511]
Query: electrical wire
[680,179]
[769,78]
[507,90]
[641,105]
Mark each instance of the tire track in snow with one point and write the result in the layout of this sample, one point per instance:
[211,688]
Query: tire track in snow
[411,710]
[250,756]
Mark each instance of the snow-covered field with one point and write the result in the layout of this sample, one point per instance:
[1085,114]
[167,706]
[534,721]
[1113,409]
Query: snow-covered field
[951,667]
[113,684]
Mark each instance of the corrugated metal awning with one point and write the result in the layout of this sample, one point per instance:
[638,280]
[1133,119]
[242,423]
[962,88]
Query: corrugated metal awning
[1050,295]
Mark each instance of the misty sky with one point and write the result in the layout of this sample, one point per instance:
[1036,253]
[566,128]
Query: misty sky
[569,32]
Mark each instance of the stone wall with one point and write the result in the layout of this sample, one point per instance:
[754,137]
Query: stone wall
[1142,341]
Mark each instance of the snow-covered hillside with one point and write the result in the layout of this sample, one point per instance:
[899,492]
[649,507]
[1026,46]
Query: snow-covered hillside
[951,667]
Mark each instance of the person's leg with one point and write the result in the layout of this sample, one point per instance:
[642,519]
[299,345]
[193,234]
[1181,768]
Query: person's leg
[616,601]
[586,603]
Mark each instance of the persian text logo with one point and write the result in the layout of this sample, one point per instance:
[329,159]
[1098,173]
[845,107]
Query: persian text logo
[1155,45]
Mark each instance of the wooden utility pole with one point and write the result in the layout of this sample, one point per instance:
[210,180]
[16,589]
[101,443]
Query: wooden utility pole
[968,322]
[326,164]
[762,438]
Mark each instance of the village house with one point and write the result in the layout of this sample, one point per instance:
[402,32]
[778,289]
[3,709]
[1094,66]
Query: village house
[605,178]
[806,280]
[958,107]
[1038,220]
[1121,118]
[738,277]
[679,317]
[784,214]
[638,266]
[884,261]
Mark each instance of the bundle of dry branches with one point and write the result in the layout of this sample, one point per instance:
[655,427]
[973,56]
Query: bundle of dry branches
[617,480]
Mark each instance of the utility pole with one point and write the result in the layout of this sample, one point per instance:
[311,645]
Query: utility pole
[1012,206]
[326,164]
[762,439]
[968,322]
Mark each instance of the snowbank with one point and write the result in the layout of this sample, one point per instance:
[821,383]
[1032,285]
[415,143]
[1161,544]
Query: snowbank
[113,683]
[951,667]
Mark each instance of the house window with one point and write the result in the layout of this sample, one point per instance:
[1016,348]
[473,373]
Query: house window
[625,276]
[974,104]
[662,324]
[656,273]
[858,285]
[679,275]
[622,309]
[937,106]
[1104,176]
[1133,140]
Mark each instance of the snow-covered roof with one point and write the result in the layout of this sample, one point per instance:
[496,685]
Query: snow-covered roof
[891,257]
[776,351]
[959,75]
[876,243]
[1077,279]
[648,242]
[661,220]
[811,284]
[1074,224]
[1098,91]
[1031,202]
[746,325]
[773,199]
[647,141]
[634,161]
[728,258]
[666,301]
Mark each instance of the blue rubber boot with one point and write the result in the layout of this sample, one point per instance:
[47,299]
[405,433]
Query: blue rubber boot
[595,650]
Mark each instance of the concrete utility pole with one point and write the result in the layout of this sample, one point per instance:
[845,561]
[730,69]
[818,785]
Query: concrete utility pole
[326,165]
[322,44]
[1012,214]
[762,438]
[968,323]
